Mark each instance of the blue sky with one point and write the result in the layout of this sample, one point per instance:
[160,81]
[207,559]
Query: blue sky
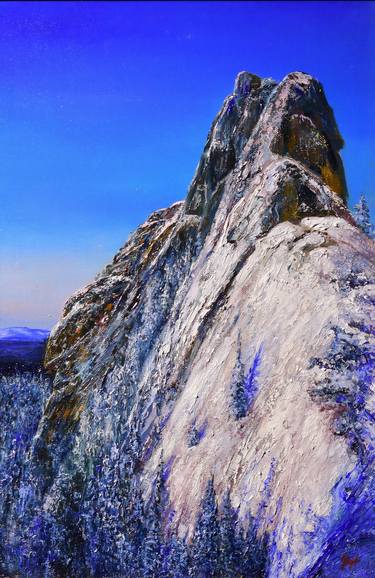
[105,107]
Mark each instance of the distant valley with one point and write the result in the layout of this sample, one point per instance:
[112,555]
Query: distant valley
[22,347]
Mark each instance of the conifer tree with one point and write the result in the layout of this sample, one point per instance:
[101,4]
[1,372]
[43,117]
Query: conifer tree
[254,551]
[238,391]
[362,216]
[229,543]
[133,447]
[251,381]
[153,544]
[175,558]
[104,514]
[135,528]
[195,434]
[206,541]
[179,560]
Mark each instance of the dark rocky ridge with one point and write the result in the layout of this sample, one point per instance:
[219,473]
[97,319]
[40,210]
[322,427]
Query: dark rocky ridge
[263,248]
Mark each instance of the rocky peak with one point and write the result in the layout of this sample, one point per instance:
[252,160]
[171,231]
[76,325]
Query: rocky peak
[261,268]
[229,134]
[245,82]
[306,129]
[261,123]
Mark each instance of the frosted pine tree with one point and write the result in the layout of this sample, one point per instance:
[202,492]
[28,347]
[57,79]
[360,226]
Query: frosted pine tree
[175,558]
[153,544]
[362,216]
[254,551]
[229,551]
[238,391]
[206,541]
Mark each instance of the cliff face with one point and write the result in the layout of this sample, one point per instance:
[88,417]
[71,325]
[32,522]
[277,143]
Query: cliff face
[261,262]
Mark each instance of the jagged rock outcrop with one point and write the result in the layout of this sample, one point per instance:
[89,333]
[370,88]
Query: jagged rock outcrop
[263,256]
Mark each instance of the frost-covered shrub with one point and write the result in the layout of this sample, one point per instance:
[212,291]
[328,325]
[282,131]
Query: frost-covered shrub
[362,216]
[349,374]
[244,388]
[251,382]
[195,434]
[206,541]
[222,546]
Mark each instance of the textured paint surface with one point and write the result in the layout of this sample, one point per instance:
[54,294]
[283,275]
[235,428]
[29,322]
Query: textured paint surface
[264,262]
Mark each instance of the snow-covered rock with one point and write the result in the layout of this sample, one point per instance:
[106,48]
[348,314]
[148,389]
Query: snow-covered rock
[262,259]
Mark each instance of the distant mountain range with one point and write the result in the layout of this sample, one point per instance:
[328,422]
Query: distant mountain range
[22,347]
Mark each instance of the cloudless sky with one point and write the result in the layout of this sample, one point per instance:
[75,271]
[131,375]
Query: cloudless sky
[105,108]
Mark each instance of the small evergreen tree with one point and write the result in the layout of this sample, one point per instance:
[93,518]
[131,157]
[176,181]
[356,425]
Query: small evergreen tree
[133,448]
[175,556]
[153,543]
[195,434]
[206,541]
[239,397]
[254,551]
[229,542]
[362,216]
[136,529]
[251,382]
[104,514]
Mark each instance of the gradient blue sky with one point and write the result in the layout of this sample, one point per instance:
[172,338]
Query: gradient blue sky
[105,107]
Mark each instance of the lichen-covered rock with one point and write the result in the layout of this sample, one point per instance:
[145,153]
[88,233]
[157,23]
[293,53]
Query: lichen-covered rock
[262,256]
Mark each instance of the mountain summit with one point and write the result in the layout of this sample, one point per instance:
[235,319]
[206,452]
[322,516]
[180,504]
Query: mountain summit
[234,332]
